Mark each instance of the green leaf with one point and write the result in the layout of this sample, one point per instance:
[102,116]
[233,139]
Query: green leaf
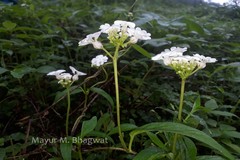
[210,158]
[233,146]
[2,153]
[45,69]
[104,94]
[66,151]
[9,25]
[19,72]
[156,140]
[197,104]
[233,134]
[124,127]
[141,50]
[1,141]
[183,130]
[211,104]
[193,26]
[3,70]
[190,148]
[155,43]
[88,126]
[150,153]
[223,113]
[103,120]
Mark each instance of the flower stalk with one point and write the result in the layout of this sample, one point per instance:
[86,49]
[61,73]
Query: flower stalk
[179,114]
[66,80]
[184,66]
[115,68]
[68,108]
[181,100]
[120,34]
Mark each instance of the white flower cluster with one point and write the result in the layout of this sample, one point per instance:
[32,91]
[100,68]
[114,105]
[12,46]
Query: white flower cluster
[184,65]
[66,78]
[99,60]
[117,33]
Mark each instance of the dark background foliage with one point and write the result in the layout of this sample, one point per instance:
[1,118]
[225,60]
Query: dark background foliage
[40,36]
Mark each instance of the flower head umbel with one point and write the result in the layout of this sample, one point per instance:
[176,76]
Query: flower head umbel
[99,60]
[66,79]
[119,33]
[184,65]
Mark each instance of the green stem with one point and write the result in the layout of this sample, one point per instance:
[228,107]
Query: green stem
[179,115]
[109,54]
[103,81]
[181,100]
[80,152]
[68,108]
[85,107]
[174,144]
[115,59]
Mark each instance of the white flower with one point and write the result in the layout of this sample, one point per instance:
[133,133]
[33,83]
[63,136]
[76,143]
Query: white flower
[76,73]
[124,23]
[124,29]
[99,60]
[66,78]
[172,52]
[137,33]
[184,65]
[119,33]
[91,39]
[106,28]
[56,73]
[205,59]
